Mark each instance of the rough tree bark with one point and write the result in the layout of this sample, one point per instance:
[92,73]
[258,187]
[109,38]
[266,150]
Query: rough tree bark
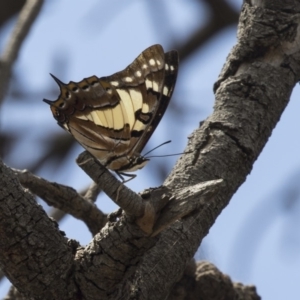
[146,251]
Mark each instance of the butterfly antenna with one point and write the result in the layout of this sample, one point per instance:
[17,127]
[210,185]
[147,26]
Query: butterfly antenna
[168,154]
[167,142]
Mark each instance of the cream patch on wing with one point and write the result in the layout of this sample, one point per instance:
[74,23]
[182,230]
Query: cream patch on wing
[118,117]
[148,84]
[82,117]
[155,86]
[96,115]
[108,115]
[124,113]
[89,117]
[101,118]
[139,125]
[136,98]
[127,107]
[145,108]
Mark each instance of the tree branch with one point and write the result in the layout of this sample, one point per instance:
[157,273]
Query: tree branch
[157,208]
[249,102]
[129,201]
[34,255]
[202,280]
[26,18]
[92,192]
[65,198]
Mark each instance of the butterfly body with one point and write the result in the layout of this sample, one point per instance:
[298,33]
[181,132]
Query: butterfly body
[113,117]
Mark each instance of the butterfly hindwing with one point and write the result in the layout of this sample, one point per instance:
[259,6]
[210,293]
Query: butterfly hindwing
[113,117]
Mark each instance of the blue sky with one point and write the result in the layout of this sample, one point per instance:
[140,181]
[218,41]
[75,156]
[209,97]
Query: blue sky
[254,239]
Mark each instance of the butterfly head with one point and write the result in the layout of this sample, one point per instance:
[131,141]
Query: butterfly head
[136,163]
[64,105]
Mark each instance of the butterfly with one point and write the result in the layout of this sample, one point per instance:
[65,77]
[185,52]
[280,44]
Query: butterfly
[113,117]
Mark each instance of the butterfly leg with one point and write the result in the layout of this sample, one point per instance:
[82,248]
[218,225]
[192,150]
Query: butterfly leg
[121,174]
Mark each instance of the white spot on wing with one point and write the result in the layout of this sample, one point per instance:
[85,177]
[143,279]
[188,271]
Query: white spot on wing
[172,68]
[114,83]
[152,62]
[167,67]
[158,62]
[165,91]
[128,79]
[138,73]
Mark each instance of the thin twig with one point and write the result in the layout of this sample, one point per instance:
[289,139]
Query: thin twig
[92,193]
[26,18]
[65,198]
[129,201]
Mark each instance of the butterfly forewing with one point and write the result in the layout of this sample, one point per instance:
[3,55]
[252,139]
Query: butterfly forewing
[113,117]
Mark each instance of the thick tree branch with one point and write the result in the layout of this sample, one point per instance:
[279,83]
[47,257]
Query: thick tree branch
[26,18]
[65,198]
[249,103]
[34,255]
[202,280]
